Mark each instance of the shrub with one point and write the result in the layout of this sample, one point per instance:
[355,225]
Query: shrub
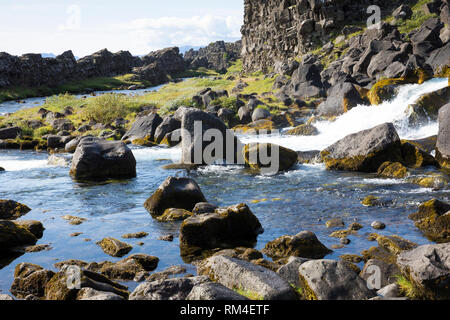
[106,108]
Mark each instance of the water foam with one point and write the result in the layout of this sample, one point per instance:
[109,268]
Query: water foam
[363,117]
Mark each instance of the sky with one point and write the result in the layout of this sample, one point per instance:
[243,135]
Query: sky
[139,26]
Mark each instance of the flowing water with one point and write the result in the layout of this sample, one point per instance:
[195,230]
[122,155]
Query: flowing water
[301,199]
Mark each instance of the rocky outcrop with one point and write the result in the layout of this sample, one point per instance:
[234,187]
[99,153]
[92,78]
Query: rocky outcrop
[217,56]
[19,233]
[96,158]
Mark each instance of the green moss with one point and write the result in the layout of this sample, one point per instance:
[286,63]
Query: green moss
[392,170]
[432,219]
[407,288]
[248,294]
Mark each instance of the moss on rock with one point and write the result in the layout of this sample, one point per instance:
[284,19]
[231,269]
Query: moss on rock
[114,247]
[11,210]
[174,214]
[433,219]
[392,170]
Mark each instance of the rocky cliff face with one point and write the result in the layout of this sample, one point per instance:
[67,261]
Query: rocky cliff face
[32,70]
[277,30]
[216,55]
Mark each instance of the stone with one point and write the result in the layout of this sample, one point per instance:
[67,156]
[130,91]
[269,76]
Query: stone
[204,207]
[11,210]
[13,234]
[364,151]
[96,158]
[143,127]
[439,60]
[390,291]
[303,130]
[181,193]
[225,228]
[433,219]
[247,278]
[305,245]
[211,291]
[136,235]
[5,297]
[341,98]
[269,158]
[393,170]
[388,272]
[91,294]
[378,225]
[10,133]
[129,267]
[114,247]
[332,280]
[428,268]
[174,214]
[168,125]
[403,12]
[443,140]
[334,223]
[167,289]
[289,271]
[260,114]
[30,279]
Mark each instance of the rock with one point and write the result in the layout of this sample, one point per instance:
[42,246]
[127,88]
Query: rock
[380,273]
[166,273]
[390,291]
[257,127]
[384,90]
[269,158]
[11,210]
[91,294]
[144,127]
[167,237]
[378,225]
[58,287]
[5,297]
[364,151]
[181,193]
[127,268]
[213,292]
[332,280]
[414,157]
[260,114]
[30,279]
[403,12]
[71,146]
[10,133]
[247,278]
[443,140]
[168,125]
[428,268]
[303,130]
[439,60]
[225,228]
[100,159]
[289,271]
[433,219]
[341,98]
[174,214]
[74,220]
[13,234]
[312,156]
[335,222]
[168,289]
[114,247]
[392,170]
[305,245]
[204,207]
[431,103]
[217,55]
[137,235]
[245,114]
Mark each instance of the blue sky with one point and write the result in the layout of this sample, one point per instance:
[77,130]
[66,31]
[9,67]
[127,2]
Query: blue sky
[139,26]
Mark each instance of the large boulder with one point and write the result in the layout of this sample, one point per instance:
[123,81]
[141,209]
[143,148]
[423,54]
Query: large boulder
[181,193]
[428,269]
[247,278]
[169,124]
[433,218]
[342,98]
[431,103]
[225,228]
[364,151]
[332,280]
[439,60]
[443,140]
[30,279]
[304,244]
[388,273]
[14,234]
[9,133]
[144,127]
[96,158]
[260,113]
[289,271]
[167,289]
[199,148]
[11,210]
[269,158]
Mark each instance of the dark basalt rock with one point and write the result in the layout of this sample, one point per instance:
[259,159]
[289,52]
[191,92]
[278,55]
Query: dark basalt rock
[217,55]
[11,210]
[144,127]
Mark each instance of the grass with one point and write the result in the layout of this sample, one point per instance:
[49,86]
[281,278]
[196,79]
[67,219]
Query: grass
[106,108]
[406,287]
[417,19]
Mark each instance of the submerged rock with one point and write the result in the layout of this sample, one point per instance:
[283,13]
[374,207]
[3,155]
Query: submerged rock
[96,158]
[305,245]
[364,151]
[433,219]
[225,228]
[180,193]
[428,269]
[246,278]
[11,210]
[332,280]
[174,214]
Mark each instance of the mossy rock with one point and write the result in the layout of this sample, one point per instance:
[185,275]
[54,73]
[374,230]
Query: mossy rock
[434,180]
[284,158]
[13,234]
[353,258]
[433,219]
[426,145]
[431,102]
[11,210]
[370,201]
[384,90]
[145,142]
[175,214]
[392,170]
[114,247]
[303,130]
[128,268]
[305,245]
[30,279]
[136,235]
[418,75]
[395,244]
[341,234]
[260,126]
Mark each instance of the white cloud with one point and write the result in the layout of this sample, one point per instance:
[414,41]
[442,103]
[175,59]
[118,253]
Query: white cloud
[174,31]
